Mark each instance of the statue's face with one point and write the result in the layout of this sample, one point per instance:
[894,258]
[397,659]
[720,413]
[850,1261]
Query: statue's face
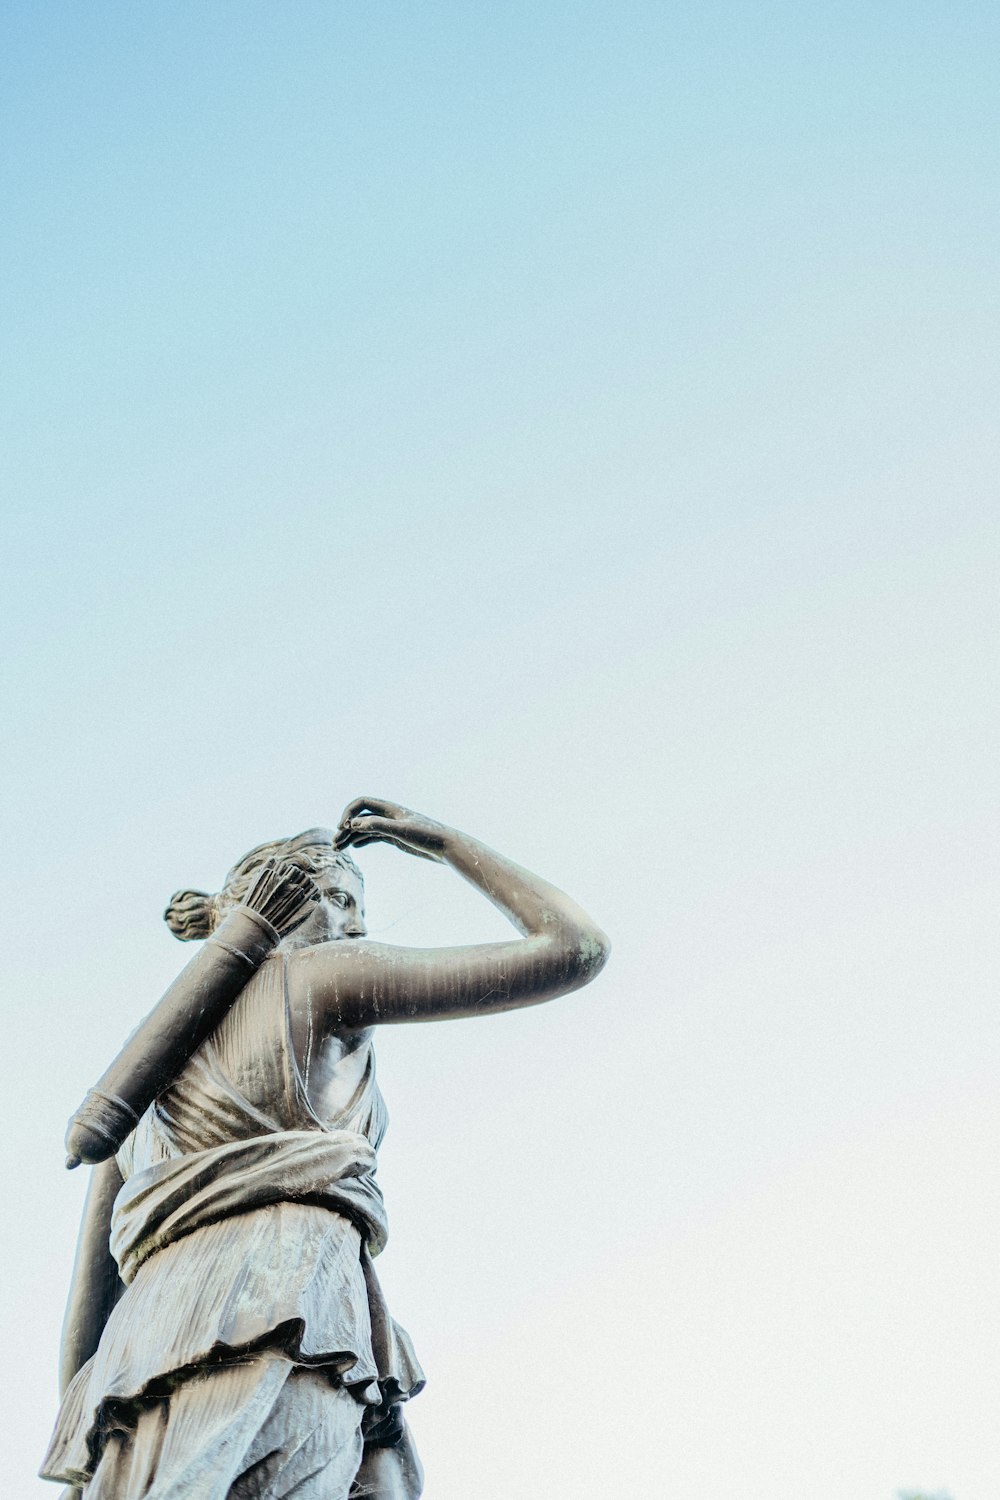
[340,913]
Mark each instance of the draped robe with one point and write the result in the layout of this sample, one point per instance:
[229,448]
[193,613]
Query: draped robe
[244,1232]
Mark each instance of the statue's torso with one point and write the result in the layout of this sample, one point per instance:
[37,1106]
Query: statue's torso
[262,1071]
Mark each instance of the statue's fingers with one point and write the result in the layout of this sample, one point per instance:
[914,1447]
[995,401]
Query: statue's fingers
[353,810]
[368,830]
[376,805]
[378,827]
[379,838]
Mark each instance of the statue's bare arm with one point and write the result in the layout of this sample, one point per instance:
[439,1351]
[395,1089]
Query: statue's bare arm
[95,1286]
[358,983]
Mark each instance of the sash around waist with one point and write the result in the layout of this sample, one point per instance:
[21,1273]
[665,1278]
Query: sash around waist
[334,1169]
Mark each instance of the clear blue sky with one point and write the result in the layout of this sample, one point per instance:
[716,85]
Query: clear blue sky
[578,422]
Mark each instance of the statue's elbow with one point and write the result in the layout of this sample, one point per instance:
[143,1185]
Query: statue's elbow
[590,953]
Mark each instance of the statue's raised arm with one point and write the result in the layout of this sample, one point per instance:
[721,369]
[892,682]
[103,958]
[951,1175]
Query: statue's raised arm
[361,984]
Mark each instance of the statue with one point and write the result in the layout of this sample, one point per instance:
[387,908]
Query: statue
[226,1337]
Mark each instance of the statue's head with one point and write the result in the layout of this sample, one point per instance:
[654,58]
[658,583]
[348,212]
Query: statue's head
[340,912]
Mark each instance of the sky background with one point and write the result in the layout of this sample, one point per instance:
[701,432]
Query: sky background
[576,422]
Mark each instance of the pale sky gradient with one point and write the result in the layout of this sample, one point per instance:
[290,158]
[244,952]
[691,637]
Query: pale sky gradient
[578,423]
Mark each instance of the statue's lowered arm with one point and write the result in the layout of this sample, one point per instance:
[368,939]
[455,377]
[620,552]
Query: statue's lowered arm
[95,1286]
[363,983]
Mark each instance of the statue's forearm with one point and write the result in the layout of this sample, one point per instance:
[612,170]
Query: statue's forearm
[95,1286]
[537,908]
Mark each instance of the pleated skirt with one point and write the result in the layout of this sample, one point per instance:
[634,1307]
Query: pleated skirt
[282,1290]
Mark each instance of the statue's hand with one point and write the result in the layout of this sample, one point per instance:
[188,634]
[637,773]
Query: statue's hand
[370,820]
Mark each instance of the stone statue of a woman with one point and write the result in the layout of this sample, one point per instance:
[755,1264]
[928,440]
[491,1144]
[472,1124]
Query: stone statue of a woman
[226,1336]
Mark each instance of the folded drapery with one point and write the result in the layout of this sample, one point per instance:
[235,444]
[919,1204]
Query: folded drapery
[255,1244]
[334,1169]
[260,1426]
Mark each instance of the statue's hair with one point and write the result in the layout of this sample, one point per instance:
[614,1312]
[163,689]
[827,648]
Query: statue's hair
[196,914]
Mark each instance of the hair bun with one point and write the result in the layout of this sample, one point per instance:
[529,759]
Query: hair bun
[190,915]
